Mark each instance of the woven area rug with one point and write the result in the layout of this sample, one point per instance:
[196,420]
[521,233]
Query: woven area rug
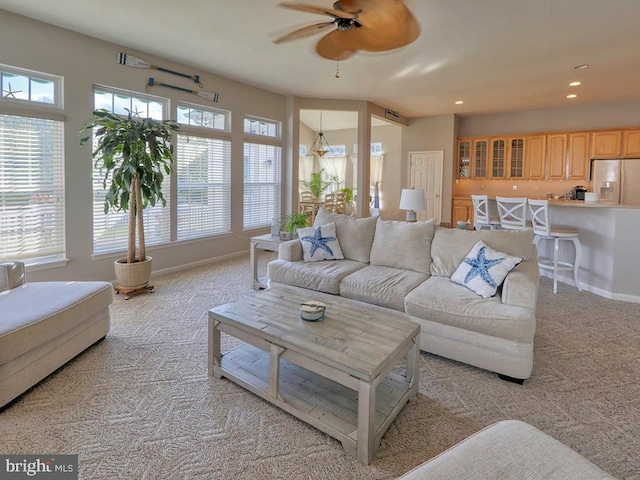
[140,405]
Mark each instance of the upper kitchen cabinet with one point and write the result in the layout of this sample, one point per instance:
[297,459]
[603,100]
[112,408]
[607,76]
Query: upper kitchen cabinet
[556,167]
[631,144]
[497,156]
[515,156]
[480,149]
[535,153]
[578,156]
[464,158]
[606,144]
[473,157]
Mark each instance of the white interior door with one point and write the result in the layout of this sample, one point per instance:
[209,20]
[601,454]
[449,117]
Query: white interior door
[425,172]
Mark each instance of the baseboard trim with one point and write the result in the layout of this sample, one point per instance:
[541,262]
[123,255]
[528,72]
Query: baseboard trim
[623,297]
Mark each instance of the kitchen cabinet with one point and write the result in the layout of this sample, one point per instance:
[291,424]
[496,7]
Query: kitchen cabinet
[497,155]
[535,155]
[606,144]
[578,156]
[464,158]
[556,165]
[631,144]
[480,150]
[462,210]
[473,158]
[515,156]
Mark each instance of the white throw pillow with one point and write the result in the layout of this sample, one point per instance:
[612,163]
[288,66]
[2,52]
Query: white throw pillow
[320,243]
[484,269]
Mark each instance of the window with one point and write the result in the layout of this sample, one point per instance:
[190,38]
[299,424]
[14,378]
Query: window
[265,128]
[30,87]
[204,186]
[31,189]
[110,230]
[337,150]
[262,166]
[376,148]
[32,201]
[205,118]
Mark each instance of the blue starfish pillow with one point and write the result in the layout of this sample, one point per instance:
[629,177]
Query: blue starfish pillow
[320,243]
[484,269]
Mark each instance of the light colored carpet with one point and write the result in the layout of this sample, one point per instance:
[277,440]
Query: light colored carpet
[140,405]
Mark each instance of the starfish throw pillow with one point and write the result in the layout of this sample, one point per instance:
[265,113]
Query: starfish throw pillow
[484,269]
[320,243]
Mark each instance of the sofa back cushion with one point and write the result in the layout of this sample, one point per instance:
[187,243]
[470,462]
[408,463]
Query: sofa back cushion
[451,245]
[404,245]
[355,235]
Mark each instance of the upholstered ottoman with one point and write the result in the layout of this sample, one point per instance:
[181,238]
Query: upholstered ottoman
[508,450]
[43,325]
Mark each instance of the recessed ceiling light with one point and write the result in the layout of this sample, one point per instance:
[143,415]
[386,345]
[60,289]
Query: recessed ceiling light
[459,102]
[581,67]
[575,84]
[572,95]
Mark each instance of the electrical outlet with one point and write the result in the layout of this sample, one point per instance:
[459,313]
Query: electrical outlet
[515,187]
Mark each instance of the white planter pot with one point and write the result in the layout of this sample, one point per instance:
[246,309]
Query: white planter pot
[133,275]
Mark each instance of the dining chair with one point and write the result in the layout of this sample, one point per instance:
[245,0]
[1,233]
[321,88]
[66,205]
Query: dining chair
[513,213]
[481,216]
[544,230]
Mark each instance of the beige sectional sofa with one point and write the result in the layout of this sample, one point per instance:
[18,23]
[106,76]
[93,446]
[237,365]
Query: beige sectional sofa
[43,325]
[407,267]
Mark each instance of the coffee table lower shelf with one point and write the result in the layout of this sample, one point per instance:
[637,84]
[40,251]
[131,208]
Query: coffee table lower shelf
[313,398]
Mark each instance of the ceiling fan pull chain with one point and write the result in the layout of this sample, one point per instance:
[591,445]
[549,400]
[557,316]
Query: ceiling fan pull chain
[337,68]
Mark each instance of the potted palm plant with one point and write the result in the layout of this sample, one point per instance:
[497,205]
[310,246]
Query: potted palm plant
[133,154]
[317,185]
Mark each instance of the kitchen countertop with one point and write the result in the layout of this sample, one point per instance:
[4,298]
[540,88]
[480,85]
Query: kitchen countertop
[569,203]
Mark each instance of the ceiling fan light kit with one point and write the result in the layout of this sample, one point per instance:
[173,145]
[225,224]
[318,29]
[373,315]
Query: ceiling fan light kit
[369,25]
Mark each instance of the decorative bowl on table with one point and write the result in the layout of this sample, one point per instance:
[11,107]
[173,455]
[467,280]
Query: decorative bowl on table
[312,310]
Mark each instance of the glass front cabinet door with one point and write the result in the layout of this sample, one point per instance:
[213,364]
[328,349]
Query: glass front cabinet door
[464,159]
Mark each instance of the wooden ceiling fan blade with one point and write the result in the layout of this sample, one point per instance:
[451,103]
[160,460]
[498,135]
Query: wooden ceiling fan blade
[304,32]
[320,10]
[335,46]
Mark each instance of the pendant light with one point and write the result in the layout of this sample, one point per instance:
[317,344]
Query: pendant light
[320,146]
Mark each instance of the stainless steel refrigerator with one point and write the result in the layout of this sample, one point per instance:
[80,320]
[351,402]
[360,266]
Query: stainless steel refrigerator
[617,181]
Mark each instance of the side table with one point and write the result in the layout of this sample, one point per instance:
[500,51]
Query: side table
[267,242]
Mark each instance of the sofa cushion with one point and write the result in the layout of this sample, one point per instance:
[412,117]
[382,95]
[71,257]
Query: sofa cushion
[37,312]
[320,243]
[385,286]
[484,269]
[354,234]
[440,300]
[451,245]
[322,276]
[404,245]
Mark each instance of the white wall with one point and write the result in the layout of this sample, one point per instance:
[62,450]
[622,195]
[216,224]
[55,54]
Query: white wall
[84,61]
[433,133]
[582,117]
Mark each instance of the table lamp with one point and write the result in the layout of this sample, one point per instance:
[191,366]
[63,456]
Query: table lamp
[412,199]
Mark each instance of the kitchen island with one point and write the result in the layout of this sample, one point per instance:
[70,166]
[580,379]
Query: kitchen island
[610,237]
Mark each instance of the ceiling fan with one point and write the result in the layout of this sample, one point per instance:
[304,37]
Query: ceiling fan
[370,25]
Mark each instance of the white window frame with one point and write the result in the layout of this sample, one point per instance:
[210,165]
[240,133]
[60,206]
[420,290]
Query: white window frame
[110,230]
[262,176]
[209,213]
[32,196]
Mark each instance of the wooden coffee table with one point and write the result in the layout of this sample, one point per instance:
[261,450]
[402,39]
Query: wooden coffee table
[344,375]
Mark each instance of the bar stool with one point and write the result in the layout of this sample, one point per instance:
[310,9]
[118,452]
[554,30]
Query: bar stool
[513,213]
[481,217]
[543,230]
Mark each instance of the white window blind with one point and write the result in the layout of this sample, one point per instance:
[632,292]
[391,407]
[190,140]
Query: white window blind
[31,188]
[110,231]
[204,186]
[262,179]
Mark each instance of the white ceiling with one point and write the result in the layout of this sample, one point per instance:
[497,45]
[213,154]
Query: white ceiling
[495,55]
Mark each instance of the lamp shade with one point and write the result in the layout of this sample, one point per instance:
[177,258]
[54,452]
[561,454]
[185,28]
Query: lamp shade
[412,199]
